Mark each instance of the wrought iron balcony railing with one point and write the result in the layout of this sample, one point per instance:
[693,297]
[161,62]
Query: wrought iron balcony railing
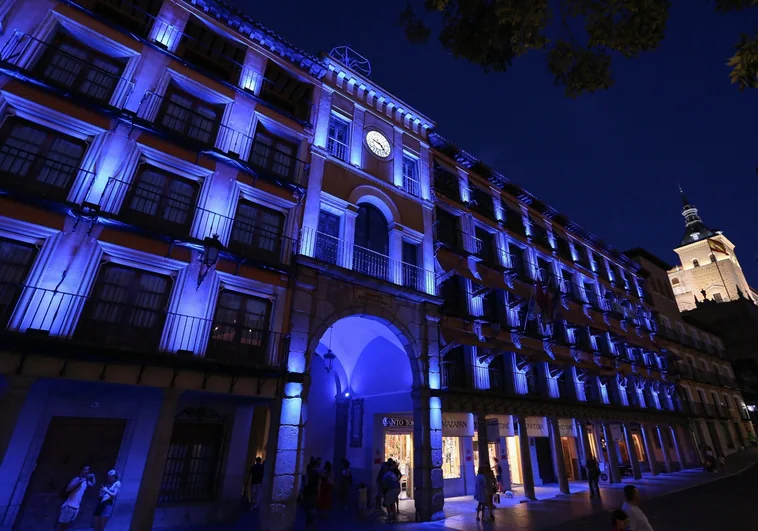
[67,67]
[38,175]
[347,255]
[84,321]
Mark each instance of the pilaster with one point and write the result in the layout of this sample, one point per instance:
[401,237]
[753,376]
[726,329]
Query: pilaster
[613,454]
[427,455]
[664,450]
[527,474]
[632,450]
[558,459]
[677,448]
[356,137]
[650,450]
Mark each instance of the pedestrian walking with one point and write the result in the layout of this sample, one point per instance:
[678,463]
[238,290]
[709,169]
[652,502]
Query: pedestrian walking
[325,490]
[73,493]
[391,487]
[483,493]
[255,478]
[637,519]
[619,521]
[593,476]
[346,482]
[310,491]
[108,493]
[379,500]
[498,471]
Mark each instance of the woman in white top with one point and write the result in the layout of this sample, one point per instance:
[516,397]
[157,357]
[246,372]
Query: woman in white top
[108,494]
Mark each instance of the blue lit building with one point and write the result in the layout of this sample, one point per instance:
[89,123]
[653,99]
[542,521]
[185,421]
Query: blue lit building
[215,246]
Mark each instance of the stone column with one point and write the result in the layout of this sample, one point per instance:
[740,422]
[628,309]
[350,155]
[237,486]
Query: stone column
[323,114]
[527,474]
[481,443]
[504,460]
[664,450]
[633,458]
[284,454]
[679,454]
[235,472]
[427,455]
[558,460]
[613,455]
[647,436]
[150,483]
[11,402]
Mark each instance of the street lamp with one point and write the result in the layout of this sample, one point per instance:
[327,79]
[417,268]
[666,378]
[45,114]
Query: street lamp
[329,357]
[212,247]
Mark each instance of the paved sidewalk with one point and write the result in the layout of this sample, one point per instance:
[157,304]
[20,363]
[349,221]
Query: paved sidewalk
[552,508]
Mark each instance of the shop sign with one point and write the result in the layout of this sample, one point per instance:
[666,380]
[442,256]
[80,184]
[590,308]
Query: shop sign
[397,422]
[536,426]
[567,427]
[457,425]
[504,426]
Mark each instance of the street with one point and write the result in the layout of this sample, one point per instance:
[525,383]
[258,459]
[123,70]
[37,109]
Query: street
[723,504]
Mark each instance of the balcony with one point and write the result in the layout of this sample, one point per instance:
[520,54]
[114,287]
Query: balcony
[123,13]
[68,68]
[727,381]
[33,174]
[117,331]
[347,255]
[446,183]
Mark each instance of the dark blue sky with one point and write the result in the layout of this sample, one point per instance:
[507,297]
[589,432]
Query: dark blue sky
[611,161]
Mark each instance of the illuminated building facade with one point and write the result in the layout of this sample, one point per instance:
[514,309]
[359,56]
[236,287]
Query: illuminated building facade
[708,389]
[215,246]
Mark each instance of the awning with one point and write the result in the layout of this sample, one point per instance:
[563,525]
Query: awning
[450,261]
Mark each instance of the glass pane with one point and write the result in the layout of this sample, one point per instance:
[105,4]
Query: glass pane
[147,194]
[66,62]
[181,197]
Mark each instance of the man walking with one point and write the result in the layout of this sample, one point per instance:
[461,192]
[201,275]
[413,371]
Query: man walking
[593,476]
[256,479]
[637,519]
[74,492]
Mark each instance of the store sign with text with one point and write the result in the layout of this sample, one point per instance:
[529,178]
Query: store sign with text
[504,425]
[536,427]
[453,424]
[567,427]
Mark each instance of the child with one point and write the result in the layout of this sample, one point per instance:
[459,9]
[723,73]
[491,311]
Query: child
[362,500]
[619,520]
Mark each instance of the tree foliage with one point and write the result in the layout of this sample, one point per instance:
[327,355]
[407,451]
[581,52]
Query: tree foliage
[579,38]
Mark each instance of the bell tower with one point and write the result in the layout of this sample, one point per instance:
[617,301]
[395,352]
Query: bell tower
[707,264]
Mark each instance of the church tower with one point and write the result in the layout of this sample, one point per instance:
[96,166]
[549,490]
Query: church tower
[709,267]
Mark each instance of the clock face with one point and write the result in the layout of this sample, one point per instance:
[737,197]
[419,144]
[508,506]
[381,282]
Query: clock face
[378,144]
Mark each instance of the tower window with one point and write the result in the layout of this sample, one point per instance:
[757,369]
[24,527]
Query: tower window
[695,262]
[675,281]
[717,297]
[713,258]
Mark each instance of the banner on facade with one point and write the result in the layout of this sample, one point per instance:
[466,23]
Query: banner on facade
[567,427]
[457,425]
[536,427]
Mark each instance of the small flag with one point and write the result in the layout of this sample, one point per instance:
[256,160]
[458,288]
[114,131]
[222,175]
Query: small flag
[717,247]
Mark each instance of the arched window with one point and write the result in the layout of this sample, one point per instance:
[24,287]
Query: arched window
[675,281]
[713,258]
[371,242]
[695,262]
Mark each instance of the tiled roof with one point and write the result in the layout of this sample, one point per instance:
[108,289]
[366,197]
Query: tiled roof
[240,22]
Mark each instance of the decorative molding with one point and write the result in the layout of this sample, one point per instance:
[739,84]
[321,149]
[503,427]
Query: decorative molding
[141,260]
[516,337]
[548,344]
[15,229]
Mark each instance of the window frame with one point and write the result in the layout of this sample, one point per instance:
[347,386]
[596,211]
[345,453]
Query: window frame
[238,246]
[334,146]
[196,103]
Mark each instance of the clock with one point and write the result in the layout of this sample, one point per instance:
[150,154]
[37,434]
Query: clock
[378,144]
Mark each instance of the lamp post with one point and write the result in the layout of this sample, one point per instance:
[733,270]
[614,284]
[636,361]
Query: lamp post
[212,247]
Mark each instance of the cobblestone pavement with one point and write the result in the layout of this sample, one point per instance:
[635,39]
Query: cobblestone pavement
[691,500]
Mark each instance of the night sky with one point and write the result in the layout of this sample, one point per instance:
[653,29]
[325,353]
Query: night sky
[611,161]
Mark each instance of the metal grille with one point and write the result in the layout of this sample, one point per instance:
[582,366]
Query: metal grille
[192,467]
[164,197]
[337,143]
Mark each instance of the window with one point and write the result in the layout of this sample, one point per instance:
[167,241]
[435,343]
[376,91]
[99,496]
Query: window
[446,182]
[485,245]
[69,64]
[240,329]
[274,155]
[481,201]
[447,228]
[327,237]
[287,93]
[410,175]
[514,220]
[371,242]
[38,160]
[451,458]
[126,309]
[675,281]
[518,261]
[16,260]
[189,116]
[214,52]
[337,143]
[717,297]
[192,466]
[695,262]
[713,258]
[161,200]
[413,276]
[257,231]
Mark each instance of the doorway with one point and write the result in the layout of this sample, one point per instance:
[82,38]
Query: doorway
[399,447]
[568,459]
[544,459]
[95,442]
[514,459]
[491,451]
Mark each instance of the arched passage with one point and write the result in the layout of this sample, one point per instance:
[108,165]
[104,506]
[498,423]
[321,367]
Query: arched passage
[362,371]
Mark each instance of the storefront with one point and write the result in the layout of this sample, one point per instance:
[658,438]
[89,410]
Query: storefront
[394,439]
[568,433]
[502,443]
[539,445]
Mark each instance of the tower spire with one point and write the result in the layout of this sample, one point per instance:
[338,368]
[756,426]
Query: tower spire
[695,229]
